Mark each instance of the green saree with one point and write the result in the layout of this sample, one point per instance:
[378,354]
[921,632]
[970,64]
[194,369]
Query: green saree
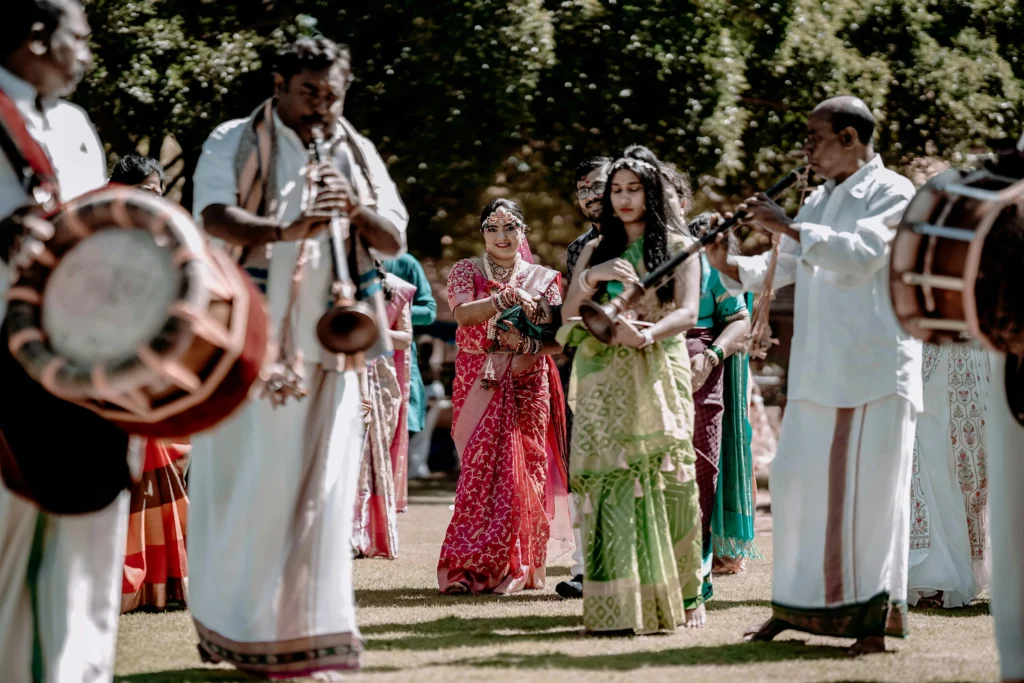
[633,471]
[732,521]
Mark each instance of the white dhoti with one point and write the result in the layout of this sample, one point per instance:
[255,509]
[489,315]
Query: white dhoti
[840,513]
[269,539]
[1006,468]
[949,486]
[60,591]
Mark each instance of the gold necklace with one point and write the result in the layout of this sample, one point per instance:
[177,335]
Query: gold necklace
[498,273]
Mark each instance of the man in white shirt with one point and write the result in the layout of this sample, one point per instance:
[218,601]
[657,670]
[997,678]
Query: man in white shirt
[273,488]
[840,479]
[60,576]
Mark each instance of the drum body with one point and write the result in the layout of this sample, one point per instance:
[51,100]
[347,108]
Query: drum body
[939,254]
[128,312]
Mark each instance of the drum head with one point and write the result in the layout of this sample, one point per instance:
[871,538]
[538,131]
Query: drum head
[105,293]
[109,294]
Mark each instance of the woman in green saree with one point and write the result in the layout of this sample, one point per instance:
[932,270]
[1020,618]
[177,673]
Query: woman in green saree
[633,462]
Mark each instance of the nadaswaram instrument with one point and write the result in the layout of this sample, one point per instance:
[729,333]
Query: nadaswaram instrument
[937,266]
[600,319]
[128,312]
[350,325]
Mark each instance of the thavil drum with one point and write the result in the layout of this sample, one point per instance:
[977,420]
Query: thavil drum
[127,311]
[943,279]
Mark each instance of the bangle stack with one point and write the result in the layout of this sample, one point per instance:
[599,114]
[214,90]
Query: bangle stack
[584,285]
[530,346]
[712,357]
[504,299]
[718,351]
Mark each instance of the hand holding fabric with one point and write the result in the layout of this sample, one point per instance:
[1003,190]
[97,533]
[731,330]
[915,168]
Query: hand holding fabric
[700,370]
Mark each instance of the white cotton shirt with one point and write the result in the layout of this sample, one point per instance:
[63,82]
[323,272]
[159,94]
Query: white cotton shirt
[215,183]
[69,139]
[848,348]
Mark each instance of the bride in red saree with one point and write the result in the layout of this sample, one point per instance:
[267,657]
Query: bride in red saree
[511,507]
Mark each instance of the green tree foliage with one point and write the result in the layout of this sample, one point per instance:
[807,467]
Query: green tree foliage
[466,98]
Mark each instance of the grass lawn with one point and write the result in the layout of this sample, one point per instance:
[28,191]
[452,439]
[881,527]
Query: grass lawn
[415,634]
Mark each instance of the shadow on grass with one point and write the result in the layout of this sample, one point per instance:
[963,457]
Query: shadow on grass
[715,605]
[187,676]
[452,632]
[432,597]
[435,486]
[975,609]
[712,655]
[214,676]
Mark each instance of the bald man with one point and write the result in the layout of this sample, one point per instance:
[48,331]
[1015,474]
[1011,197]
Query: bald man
[840,479]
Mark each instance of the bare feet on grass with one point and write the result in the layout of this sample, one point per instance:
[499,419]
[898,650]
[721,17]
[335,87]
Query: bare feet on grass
[696,618]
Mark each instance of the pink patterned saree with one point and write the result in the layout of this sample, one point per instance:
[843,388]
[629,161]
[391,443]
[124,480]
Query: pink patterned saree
[511,441]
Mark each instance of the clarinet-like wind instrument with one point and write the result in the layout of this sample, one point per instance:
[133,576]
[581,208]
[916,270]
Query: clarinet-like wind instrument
[600,319]
[349,326]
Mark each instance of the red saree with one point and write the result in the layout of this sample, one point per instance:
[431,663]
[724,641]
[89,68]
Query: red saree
[155,564]
[512,454]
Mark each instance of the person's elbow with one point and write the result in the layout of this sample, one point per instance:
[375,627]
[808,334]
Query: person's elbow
[214,217]
[461,315]
[684,318]
[388,239]
[688,317]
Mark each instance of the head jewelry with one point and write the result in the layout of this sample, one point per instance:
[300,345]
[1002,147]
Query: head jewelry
[501,216]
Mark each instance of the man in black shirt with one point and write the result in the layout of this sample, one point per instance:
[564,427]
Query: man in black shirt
[591,176]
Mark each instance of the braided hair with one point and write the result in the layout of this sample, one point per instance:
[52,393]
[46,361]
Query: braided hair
[383,275]
[614,240]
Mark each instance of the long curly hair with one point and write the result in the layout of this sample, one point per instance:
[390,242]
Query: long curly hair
[614,240]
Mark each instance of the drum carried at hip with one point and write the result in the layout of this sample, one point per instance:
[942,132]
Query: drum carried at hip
[947,274]
[127,311]
[955,266]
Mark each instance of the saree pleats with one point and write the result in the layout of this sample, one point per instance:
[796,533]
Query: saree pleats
[375,525]
[155,564]
[634,468]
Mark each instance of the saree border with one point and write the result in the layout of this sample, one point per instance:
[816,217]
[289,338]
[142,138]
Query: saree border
[876,617]
[296,657]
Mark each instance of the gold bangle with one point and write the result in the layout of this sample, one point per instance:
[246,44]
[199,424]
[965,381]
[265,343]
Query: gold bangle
[584,285]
